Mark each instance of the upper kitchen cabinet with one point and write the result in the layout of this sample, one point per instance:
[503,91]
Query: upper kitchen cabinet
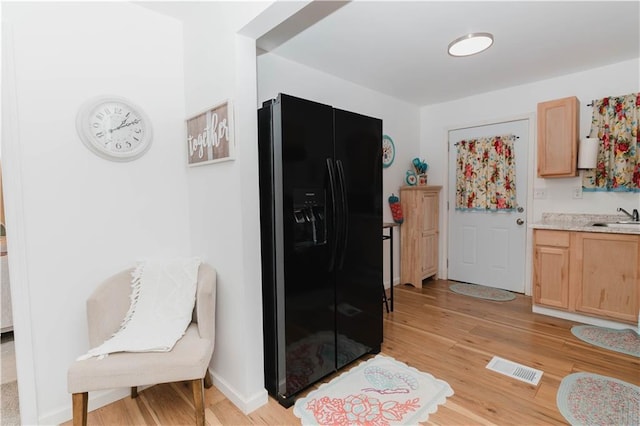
[558,135]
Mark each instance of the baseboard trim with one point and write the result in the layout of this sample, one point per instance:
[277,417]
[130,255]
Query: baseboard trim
[246,405]
[97,399]
[385,283]
[580,318]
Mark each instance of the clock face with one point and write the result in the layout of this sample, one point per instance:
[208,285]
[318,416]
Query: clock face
[388,151]
[114,128]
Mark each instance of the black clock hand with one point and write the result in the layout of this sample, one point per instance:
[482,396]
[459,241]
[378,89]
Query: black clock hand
[126,117]
[136,121]
[120,126]
[125,124]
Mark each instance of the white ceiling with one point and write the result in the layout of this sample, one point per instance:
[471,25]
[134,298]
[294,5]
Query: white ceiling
[400,48]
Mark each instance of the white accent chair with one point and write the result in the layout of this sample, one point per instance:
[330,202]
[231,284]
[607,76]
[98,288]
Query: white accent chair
[187,361]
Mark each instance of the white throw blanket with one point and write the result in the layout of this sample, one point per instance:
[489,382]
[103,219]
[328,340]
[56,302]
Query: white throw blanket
[162,298]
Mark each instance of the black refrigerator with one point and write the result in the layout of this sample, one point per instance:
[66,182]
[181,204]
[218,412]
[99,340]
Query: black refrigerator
[320,171]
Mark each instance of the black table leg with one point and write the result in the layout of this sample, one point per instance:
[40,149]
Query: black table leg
[390,238]
[384,293]
[391,265]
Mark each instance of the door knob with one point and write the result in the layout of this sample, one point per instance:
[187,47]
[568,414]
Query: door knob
[519,221]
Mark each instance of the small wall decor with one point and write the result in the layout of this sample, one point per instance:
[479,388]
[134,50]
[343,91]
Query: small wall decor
[388,151]
[396,208]
[114,128]
[209,135]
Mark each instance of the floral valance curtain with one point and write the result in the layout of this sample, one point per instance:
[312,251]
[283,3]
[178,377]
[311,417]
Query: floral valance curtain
[615,123]
[486,174]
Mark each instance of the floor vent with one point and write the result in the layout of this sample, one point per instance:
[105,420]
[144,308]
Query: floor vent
[515,370]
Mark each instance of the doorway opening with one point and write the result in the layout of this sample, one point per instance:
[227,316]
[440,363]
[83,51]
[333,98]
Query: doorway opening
[489,247]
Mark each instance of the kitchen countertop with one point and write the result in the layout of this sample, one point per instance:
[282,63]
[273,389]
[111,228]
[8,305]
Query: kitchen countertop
[583,223]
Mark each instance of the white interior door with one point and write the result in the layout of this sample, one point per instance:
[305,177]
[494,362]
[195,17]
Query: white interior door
[489,248]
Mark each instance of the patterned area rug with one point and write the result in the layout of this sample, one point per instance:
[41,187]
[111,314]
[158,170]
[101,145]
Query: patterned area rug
[380,391]
[624,341]
[591,399]
[482,292]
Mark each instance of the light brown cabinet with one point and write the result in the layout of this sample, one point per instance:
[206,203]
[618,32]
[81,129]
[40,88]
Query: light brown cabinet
[558,133]
[551,268]
[605,275]
[596,274]
[419,238]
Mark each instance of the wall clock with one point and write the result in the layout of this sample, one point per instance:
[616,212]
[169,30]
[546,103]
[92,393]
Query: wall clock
[114,128]
[388,151]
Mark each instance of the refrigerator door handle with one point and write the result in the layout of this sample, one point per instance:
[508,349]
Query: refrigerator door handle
[345,211]
[334,216]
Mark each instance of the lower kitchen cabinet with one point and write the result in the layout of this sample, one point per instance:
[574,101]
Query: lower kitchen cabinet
[551,268]
[596,274]
[605,275]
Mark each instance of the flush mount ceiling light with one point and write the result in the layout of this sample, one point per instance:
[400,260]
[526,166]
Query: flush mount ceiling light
[470,44]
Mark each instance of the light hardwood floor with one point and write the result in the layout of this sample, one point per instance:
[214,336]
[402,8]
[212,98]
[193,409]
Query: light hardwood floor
[451,336]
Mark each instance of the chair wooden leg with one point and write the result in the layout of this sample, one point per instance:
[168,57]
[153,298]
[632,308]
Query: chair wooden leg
[134,392]
[79,403]
[198,400]
[208,382]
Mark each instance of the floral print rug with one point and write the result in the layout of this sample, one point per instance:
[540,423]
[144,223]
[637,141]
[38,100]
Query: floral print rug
[591,399]
[625,341]
[380,391]
[482,292]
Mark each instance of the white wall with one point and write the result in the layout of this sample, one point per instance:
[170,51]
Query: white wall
[75,218]
[617,79]
[211,211]
[400,120]
[223,198]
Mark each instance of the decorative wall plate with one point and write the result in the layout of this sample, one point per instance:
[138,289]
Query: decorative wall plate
[388,151]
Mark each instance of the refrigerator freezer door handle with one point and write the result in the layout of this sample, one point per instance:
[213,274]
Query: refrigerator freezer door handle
[345,211]
[334,216]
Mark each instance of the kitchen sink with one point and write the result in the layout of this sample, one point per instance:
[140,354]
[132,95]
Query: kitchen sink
[619,224]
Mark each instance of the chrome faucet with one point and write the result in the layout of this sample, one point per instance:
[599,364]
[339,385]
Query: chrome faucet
[634,216]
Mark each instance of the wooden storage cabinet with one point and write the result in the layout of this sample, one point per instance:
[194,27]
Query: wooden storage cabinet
[596,274]
[551,269]
[558,133]
[605,275]
[419,235]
